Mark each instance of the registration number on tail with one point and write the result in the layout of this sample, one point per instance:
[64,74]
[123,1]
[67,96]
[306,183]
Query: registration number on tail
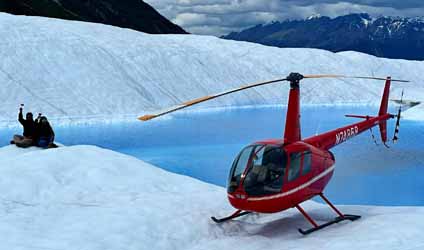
[344,135]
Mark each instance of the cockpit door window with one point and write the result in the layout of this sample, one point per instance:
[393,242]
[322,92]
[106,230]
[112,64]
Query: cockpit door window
[295,161]
[307,161]
[265,175]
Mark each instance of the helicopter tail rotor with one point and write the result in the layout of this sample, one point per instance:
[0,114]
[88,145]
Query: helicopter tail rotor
[395,135]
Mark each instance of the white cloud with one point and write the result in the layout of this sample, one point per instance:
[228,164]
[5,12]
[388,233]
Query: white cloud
[191,19]
[219,17]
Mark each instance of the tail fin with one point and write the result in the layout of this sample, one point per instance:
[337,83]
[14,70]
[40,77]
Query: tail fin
[383,109]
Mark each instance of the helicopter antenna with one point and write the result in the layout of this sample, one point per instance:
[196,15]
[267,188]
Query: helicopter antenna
[373,137]
[318,126]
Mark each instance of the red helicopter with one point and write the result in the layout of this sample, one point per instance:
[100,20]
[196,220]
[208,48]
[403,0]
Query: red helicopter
[274,175]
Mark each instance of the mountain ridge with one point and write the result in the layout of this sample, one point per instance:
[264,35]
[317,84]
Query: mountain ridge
[132,14]
[385,36]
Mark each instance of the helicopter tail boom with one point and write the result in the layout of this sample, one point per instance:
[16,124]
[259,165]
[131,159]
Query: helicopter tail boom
[340,135]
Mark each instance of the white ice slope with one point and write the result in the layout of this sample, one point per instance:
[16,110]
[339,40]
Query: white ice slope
[84,197]
[79,71]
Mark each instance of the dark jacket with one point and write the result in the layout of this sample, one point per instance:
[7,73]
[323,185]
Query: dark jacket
[43,131]
[29,126]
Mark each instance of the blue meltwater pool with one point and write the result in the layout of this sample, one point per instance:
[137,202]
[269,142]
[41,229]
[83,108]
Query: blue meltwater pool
[204,144]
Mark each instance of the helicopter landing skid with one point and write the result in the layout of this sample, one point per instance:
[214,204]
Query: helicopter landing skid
[316,227]
[236,214]
[336,220]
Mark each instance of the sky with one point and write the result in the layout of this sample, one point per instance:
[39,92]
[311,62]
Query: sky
[220,17]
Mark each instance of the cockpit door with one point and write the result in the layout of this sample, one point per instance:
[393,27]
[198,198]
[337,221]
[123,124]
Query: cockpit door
[266,171]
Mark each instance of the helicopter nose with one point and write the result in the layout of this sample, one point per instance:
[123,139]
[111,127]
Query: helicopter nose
[238,200]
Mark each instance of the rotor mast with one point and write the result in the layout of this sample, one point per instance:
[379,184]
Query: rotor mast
[292,131]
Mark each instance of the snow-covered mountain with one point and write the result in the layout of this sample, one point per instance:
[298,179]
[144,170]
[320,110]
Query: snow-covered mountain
[84,197]
[74,70]
[389,37]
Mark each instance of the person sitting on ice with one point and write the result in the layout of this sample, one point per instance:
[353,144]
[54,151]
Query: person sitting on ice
[27,139]
[44,133]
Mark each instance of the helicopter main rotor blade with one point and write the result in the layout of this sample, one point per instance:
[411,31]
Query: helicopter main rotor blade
[291,77]
[353,77]
[205,98]
[322,76]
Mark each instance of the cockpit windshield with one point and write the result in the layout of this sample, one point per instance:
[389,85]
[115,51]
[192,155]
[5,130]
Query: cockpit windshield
[265,166]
